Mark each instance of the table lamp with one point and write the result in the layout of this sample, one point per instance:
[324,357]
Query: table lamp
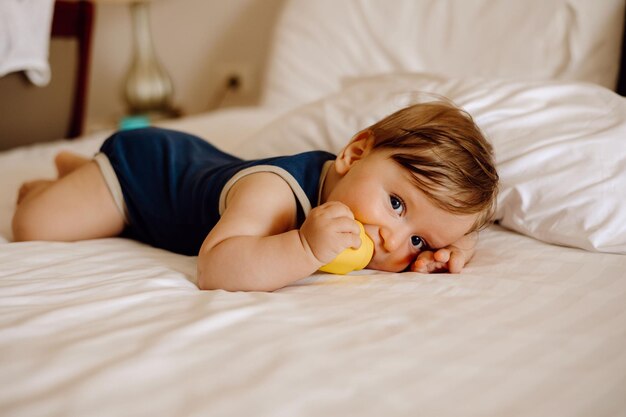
[147,87]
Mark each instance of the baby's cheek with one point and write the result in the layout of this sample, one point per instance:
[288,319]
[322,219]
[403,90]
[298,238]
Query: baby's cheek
[408,259]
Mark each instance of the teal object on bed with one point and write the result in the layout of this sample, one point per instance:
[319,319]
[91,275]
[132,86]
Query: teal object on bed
[134,122]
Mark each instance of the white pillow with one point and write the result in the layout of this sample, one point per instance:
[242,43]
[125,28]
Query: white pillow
[560,147]
[317,42]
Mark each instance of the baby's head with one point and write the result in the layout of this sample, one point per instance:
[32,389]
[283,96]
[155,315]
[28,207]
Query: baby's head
[420,178]
[450,160]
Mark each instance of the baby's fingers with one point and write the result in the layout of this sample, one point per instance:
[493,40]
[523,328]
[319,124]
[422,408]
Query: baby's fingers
[353,240]
[442,255]
[347,231]
[334,209]
[425,263]
[457,261]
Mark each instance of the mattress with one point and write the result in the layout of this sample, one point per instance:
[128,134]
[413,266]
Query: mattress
[113,327]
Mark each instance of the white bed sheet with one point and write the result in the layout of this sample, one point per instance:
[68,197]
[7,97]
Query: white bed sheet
[113,327]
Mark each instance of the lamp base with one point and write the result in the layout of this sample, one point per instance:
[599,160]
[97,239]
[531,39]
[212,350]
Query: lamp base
[148,86]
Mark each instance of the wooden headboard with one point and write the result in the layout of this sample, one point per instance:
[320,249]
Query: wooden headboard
[621,82]
[74,19]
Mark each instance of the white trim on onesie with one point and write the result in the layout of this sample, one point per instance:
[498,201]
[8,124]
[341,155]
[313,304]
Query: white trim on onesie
[282,173]
[113,184]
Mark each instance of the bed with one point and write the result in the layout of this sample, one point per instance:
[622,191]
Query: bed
[534,326]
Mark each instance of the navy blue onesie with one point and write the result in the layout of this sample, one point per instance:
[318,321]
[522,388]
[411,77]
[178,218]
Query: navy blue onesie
[174,184]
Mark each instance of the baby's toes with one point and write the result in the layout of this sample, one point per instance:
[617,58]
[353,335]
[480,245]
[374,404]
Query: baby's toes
[67,162]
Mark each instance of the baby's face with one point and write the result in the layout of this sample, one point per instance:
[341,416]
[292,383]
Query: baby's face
[398,217]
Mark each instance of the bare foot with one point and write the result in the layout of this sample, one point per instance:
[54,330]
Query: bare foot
[67,162]
[30,188]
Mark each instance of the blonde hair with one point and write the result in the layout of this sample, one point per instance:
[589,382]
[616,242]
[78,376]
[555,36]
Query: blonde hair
[450,160]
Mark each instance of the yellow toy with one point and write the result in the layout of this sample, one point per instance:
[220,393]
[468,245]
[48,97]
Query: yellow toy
[352,259]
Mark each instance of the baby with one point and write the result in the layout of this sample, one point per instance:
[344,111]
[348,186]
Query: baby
[422,181]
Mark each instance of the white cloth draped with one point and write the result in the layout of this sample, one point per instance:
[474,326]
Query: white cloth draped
[25,38]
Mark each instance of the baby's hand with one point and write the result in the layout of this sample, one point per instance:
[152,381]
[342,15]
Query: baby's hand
[449,259]
[328,230]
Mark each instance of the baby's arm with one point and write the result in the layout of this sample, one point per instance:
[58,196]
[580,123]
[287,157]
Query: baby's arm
[255,245]
[451,258]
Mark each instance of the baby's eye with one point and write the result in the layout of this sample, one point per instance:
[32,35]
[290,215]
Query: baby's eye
[396,204]
[417,242]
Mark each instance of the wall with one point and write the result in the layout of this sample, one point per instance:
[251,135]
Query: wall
[196,40]
[29,113]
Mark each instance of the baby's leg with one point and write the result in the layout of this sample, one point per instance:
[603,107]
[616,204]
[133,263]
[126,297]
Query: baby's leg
[77,206]
[65,162]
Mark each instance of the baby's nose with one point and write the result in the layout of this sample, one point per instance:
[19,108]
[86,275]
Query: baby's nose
[390,240]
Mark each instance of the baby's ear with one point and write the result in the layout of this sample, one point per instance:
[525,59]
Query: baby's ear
[358,148]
